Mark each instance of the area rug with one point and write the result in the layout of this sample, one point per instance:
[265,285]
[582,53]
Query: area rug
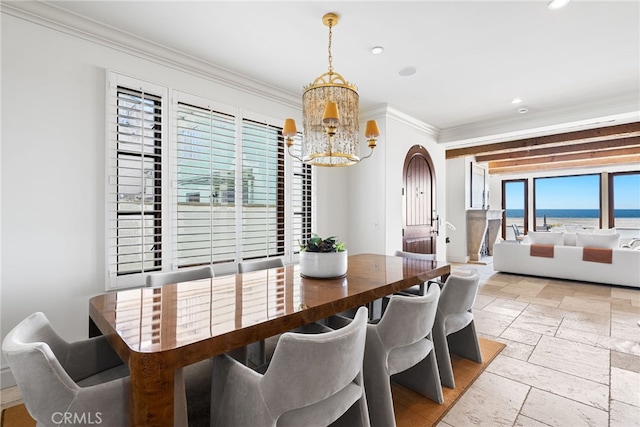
[412,409]
[16,416]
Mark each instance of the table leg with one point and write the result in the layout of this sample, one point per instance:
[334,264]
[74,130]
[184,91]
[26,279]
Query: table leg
[152,391]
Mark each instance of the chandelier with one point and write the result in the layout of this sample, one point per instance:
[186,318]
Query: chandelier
[330,119]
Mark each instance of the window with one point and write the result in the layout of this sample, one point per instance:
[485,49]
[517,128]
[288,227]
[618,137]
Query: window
[624,200]
[135,179]
[262,190]
[205,158]
[567,201]
[193,182]
[514,203]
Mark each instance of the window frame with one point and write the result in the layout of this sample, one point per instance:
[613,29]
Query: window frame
[525,183]
[535,194]
[168,213]
[611,193]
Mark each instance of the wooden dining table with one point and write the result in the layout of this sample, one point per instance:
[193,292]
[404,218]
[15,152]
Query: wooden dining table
[157,331]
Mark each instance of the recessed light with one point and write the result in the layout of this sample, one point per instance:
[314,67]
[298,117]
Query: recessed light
[377,50]
[557,4]
[523,110]
[516,101]
[408,71]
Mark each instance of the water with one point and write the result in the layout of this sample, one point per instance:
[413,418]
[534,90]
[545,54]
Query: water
[590,217]
[574,213]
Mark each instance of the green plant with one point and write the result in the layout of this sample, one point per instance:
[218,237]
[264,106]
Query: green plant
[318,244]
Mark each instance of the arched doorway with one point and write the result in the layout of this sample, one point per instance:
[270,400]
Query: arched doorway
[419,202]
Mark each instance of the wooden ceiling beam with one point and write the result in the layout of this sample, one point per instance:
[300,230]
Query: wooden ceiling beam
[568,157]
[568,148]
[501,168]
[589,135]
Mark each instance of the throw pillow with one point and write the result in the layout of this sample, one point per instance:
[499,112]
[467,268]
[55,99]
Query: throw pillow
[606,241]
[545,238]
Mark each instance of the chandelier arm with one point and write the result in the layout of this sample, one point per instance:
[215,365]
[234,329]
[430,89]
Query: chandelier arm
[293,155]
[367,156]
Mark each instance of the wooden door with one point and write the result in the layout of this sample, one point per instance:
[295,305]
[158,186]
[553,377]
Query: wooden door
[419,230]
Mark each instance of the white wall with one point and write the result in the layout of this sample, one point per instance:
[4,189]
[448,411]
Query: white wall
[375,198]
[332,203]
[458,196]
[53,167]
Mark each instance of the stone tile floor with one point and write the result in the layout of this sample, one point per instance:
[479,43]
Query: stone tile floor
[572,356]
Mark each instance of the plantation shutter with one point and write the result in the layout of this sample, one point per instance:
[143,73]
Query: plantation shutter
[134,187]
[205,186]
[262,190]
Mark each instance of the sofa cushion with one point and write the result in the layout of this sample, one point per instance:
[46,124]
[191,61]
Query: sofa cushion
[604,231]
[606,241]
[570,238]
[545,238]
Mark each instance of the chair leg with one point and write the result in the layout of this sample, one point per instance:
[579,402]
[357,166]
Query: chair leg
[256,353]
[240,354]
[377,386]
[356,416]
[443,358]
[464,343]
[179,400]
[376,309]
[423,378]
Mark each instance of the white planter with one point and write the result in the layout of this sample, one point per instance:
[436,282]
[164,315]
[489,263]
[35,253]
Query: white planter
[326,265]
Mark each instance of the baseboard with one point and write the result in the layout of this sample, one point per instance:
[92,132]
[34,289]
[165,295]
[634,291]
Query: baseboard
[6,377]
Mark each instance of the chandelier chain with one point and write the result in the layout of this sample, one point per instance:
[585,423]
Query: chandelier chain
[330,57]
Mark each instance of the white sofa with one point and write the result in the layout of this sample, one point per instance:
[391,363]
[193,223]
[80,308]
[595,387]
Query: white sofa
[567,261]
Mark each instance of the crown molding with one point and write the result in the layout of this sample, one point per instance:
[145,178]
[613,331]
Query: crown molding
[53,17]
[610,110]
[387,112]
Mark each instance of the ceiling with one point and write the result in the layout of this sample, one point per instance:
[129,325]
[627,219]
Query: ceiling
[578,65]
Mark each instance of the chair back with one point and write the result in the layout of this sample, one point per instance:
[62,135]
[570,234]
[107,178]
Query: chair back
[165,278]
[414,255]
[310,368]
[408,319]
[44,384]
[516,230]
[247,266]
[458,294]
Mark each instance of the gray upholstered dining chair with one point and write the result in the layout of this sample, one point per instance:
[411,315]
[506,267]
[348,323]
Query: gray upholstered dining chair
[312,380]
[454,329]
[85,378]
[263,264]
[184,275]
[399,347]
[56,377]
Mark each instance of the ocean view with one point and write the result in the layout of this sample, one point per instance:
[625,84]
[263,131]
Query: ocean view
[625,218]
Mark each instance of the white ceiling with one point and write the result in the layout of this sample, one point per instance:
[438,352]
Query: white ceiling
[472,57]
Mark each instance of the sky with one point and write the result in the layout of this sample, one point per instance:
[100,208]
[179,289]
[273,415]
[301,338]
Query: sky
[577,192]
